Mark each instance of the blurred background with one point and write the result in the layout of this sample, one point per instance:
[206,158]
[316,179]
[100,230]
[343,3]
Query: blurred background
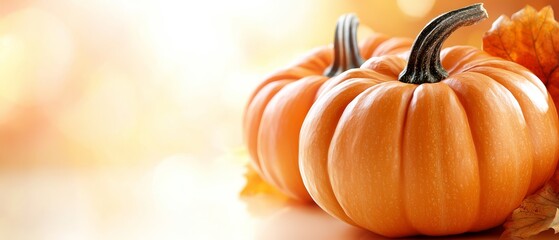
[121,119]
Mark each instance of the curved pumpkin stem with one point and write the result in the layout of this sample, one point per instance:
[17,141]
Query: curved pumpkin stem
[424,64]
[346,49]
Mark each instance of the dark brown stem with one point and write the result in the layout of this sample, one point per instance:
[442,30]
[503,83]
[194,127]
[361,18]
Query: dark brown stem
[346,49]
[424,64]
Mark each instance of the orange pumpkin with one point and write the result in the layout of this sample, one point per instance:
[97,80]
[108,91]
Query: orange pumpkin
[278,106]
[407,148]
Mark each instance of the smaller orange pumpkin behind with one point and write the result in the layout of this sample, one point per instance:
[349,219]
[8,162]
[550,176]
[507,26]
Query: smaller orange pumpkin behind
[276,109]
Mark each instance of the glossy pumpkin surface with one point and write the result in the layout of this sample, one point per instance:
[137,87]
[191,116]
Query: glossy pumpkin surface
[433,154]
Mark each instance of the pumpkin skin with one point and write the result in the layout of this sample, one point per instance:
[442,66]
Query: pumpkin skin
[441,158]
[276,110]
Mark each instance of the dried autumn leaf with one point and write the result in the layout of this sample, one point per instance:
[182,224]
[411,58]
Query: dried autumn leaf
[537,213]
[530,38]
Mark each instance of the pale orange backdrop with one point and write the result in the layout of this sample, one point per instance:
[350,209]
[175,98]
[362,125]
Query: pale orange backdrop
[121,119]
[121,82]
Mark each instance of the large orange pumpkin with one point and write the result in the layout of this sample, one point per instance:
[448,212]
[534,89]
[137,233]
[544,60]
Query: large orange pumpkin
[278,106]
[406,148]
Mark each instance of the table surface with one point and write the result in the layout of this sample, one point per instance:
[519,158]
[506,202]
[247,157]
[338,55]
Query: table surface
[173,199]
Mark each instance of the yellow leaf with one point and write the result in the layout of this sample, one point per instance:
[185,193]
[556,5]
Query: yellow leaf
[255,184]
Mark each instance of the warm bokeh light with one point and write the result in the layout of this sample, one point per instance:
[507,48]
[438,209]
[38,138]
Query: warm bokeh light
[117,82]
[416,8]
[121,119]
